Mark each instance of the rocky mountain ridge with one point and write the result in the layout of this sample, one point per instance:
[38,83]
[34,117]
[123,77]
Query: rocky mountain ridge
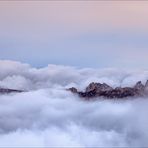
[7,91]
[94,90]
[104,90]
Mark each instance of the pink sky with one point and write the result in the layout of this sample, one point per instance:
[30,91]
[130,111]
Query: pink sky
[83,14]
[61,32]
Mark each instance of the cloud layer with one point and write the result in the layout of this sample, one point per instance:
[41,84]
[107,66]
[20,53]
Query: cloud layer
[48,115]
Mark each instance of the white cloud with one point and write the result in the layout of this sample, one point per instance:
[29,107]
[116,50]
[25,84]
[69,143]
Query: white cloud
[48,115]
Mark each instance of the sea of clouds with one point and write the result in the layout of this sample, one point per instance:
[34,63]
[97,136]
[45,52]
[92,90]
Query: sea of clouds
[48,115]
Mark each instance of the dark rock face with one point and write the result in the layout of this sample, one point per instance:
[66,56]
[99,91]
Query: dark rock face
[146,84]
[104,90]
[7,91]
[139,86]
[98,87]
[73,90]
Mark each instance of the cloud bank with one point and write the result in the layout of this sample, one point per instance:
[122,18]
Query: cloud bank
[47,115]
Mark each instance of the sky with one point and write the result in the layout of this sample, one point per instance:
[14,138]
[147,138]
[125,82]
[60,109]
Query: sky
[93,34]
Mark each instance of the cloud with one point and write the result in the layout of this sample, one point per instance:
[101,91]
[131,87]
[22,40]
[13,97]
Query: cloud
[48,115]
[17,75]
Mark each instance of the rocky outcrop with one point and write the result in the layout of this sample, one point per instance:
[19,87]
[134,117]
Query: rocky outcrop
[7,91]
[73,90]
[146,84]
[98,87]
[104,90]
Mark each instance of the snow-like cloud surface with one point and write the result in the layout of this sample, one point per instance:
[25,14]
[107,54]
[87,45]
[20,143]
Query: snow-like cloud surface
[48,115]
